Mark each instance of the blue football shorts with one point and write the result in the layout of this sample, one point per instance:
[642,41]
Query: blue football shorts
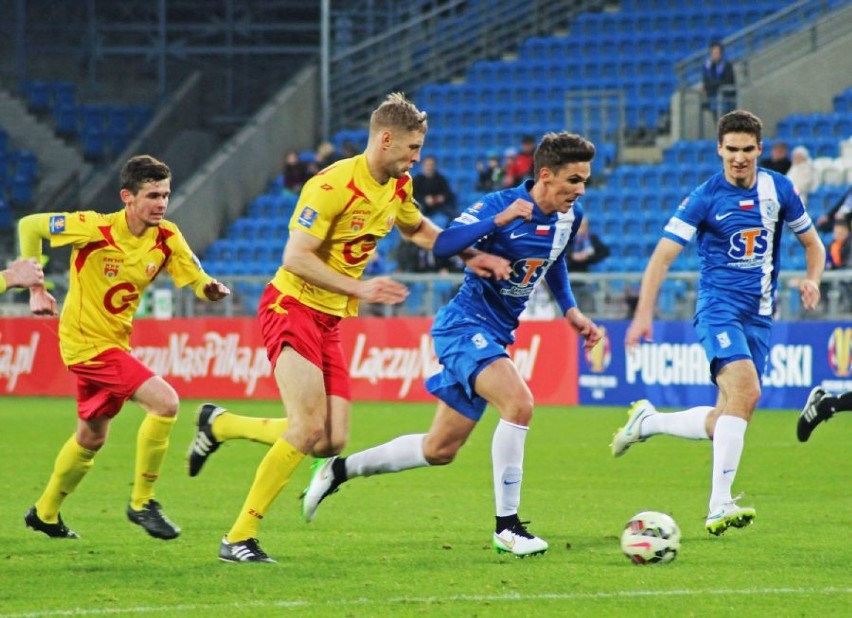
[464,348]
[731,331]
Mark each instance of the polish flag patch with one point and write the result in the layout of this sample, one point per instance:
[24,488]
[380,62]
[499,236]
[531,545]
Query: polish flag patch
[542,230]
[746,204]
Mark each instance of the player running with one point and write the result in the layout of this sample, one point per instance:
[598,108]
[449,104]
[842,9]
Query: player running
[737,218]
[531,225]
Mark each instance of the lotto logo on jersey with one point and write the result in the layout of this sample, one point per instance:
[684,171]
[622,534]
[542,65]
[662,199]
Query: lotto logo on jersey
[749,244]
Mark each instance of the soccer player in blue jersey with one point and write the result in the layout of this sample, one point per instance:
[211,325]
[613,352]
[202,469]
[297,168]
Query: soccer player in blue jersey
[531,225]
[736,217]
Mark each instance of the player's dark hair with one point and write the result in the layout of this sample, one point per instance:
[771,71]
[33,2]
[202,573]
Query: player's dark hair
[141,169]
[556,150]
[397,112]
[740,121]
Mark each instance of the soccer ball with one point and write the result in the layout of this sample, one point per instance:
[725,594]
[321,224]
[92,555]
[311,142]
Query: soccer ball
[650,537]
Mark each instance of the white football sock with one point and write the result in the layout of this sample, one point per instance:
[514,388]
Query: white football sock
[684,424]
[507,456]
[728,440]
[401,453]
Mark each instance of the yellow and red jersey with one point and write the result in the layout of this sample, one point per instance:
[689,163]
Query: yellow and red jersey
[110,268]
[350,212]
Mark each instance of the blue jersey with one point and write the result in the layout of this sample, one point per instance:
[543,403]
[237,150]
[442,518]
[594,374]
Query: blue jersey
[532,248]
[739,234]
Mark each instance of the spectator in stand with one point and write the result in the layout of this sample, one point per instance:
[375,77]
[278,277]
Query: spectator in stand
[839,250]
[803,173]
[490,173]
[521,166]
[778,160]
[432,191]
[586,249]
[842,209]
[326,154]
[720,95]
[509,156]
[295,171]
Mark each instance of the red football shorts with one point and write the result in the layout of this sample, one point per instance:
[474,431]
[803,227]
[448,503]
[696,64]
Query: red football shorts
[106,381]
[313,334]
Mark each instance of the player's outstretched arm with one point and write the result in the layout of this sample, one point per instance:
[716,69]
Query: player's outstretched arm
[815,264]
[23,273]
[215,290]
[641,328]
[585,327]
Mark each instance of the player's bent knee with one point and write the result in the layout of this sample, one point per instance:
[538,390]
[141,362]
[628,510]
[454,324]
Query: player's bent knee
[440,456]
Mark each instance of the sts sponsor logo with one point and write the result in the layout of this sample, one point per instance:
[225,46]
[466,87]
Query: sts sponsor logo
[749,245]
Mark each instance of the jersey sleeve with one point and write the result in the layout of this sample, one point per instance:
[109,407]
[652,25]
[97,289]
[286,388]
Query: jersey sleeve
[319,204]
[408,216]
[686,219]
[183,267]
[795,215]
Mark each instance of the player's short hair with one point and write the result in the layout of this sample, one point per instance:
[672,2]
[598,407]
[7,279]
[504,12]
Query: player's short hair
[141,169]
[397,112]
[556,150]
[740,121]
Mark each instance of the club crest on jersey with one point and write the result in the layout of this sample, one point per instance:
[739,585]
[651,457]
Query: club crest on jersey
[307,217]
[57,224]
[357,224]
[110,270]
[769,208]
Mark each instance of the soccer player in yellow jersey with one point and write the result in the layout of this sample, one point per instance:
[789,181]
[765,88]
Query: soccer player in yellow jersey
[342,212]
[114,258]
[21,274]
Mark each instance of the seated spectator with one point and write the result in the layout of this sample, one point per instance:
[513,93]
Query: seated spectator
[837,257]
[777,160]
[841,210]
[521,166]
[490,173]
[803,173]
[586,249]
[509,156]
[838,254]
[325,155]
[432,191]
[295,171]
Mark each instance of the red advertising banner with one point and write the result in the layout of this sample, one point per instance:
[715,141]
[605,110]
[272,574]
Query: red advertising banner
[389,358]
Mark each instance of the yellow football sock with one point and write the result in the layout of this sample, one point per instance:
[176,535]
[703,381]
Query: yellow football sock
[272,475]
[72,464]
[152,441]
[229,426]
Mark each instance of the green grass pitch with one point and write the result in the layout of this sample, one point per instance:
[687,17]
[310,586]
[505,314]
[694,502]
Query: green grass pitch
[419,543]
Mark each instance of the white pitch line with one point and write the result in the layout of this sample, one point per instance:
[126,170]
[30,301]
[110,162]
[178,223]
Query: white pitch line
[460,598]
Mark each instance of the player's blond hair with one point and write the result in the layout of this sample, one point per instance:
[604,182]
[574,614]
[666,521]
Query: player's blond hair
[397,112]
[141,169]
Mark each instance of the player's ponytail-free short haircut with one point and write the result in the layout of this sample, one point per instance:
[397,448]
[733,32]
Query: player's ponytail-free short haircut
[556,150]
[397,112]
[141,169]
[740,121]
